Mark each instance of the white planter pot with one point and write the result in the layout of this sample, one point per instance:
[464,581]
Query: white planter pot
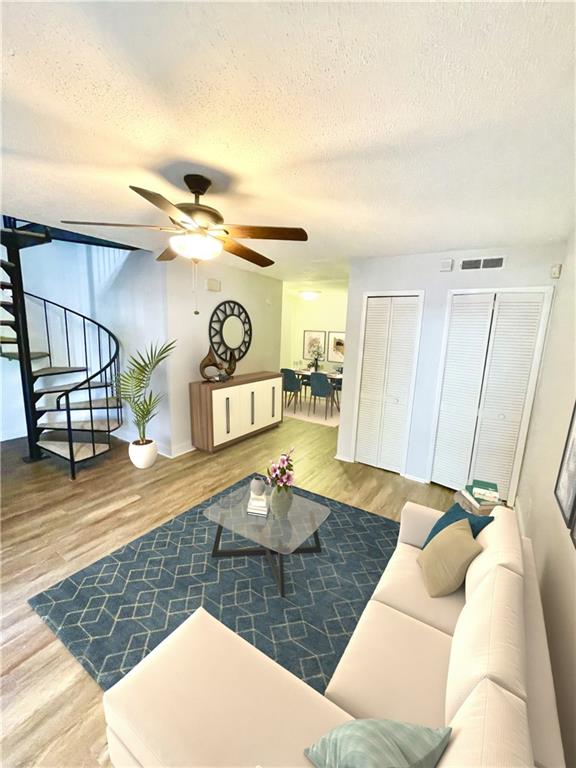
[143,456]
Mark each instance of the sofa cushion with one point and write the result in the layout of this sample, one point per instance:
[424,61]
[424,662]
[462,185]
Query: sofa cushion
[542,709]
[489,640]
[445,560]
[455,513]
[379,744]
[416,522]
[393,668]
[490,730]
[501,545]
[206,697]
[401,586]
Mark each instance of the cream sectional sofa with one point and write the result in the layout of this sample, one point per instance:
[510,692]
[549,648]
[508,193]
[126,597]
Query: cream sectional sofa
[476,660]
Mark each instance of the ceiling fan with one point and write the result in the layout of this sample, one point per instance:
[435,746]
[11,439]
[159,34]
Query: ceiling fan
[199,232]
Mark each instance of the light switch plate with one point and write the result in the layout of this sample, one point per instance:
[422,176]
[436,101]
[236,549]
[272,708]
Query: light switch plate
[446,265]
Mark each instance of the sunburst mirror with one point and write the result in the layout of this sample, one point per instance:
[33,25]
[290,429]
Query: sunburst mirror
[230,331]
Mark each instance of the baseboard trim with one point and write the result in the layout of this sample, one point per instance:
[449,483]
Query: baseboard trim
[181,449]
[162,449]
[417,479]
[348,459]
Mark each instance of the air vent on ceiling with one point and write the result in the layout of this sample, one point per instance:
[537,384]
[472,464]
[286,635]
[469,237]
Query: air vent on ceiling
[492,262]
[471,264]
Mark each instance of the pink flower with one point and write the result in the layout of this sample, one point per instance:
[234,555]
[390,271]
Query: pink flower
[289,478]
[283,461]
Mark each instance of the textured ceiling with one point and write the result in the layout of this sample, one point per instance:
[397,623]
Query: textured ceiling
[382,128]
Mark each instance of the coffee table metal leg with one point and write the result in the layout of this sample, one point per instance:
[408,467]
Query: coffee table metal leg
[316,547]
[277,565]
[216,546]
[281,574]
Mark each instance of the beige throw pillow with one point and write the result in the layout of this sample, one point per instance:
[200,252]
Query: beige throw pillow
[445,560]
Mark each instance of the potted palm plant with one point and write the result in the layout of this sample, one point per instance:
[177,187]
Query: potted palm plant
[133,386]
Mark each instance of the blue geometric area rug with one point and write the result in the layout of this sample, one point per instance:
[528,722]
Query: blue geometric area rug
[114,612]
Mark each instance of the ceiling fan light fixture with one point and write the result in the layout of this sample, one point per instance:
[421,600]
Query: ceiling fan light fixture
[197,246]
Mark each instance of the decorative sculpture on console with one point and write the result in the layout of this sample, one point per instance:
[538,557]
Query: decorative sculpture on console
[211,361]
[231,367]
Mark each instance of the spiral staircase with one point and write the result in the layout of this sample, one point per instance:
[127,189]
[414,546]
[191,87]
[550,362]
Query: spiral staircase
[68,365]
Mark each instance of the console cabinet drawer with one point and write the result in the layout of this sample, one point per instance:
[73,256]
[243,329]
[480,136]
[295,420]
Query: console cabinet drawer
[222,413]
[226,415]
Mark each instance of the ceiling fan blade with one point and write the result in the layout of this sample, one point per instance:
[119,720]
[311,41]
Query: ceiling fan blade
[165,205]
[246,253]
[166,255]
[266,233]
[115,224]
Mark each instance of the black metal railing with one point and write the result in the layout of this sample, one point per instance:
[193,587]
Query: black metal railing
[93,348]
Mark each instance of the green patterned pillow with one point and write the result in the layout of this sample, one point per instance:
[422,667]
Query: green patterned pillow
[379,744]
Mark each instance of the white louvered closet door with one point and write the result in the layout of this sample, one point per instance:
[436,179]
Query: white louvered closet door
[509,366]
[388,366]
[402,345]
[373,375]
[468,334]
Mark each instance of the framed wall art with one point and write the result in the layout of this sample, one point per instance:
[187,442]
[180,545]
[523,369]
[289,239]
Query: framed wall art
[314,344]
[336,346]
[565,489]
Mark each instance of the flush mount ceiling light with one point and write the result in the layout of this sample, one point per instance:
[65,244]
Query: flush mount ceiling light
[309,295]
[196,246]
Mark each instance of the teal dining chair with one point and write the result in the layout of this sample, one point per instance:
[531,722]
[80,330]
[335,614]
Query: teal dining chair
[337,385]
[320,386]
[291,387]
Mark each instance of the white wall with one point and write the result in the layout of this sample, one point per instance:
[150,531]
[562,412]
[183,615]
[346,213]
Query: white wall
[261,296]
[326,313]
[123,290]
[539,512]
[128,296]
[144,301]
[56,271]
[525,266]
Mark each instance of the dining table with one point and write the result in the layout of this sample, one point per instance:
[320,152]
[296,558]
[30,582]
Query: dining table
[330,375]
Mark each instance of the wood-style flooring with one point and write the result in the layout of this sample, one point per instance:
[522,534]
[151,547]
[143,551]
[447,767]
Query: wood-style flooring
[51,527]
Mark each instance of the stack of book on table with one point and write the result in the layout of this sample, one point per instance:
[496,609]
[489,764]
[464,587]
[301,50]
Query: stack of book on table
[257,504]
[480,497]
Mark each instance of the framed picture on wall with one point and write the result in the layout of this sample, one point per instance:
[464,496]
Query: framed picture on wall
[565,490]
[336,345]
[314,342]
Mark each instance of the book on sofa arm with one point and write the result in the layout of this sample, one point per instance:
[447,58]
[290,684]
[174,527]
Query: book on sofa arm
[467,496]
[481,493]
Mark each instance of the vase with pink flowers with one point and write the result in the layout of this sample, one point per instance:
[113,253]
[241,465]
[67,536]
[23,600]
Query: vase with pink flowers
[280,476]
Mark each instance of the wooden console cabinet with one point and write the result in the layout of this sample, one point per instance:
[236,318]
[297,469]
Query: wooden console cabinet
[225,412]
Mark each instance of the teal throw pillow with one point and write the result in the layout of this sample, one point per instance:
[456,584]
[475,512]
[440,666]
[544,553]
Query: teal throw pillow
[455,513]
[379,744]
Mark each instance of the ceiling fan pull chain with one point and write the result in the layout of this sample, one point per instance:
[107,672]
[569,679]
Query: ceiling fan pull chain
[195,286]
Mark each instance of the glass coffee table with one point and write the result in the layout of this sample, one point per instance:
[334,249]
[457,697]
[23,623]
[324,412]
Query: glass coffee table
[277,534]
